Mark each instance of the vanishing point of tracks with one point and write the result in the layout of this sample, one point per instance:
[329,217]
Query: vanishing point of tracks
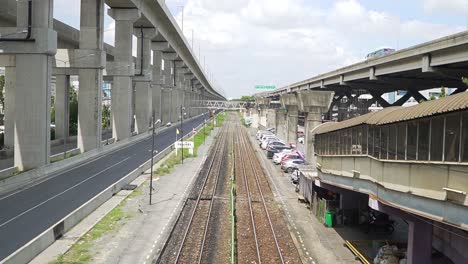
[202,233]
[193,236]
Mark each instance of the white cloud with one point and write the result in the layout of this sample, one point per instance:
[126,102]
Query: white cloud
[447,6]
[250,42]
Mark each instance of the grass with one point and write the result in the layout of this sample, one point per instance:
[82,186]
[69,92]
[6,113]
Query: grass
[68,154]
[220,119]
[81,252]
[198,140]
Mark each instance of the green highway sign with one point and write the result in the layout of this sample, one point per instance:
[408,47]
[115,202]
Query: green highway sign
[265,87]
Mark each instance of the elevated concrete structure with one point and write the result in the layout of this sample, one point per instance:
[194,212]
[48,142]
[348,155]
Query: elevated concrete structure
[83,53]
[313,104]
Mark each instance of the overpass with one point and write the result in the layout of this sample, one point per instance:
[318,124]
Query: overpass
[35,48]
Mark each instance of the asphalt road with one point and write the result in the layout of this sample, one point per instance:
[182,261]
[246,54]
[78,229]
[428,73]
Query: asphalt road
[28,213]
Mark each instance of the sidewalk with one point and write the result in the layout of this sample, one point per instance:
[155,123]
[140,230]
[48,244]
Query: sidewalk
[143,228]
[316,243]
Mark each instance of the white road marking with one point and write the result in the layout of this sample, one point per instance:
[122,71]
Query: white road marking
[57,195]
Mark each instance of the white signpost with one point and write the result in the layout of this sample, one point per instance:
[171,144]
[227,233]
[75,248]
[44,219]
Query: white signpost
[185,144]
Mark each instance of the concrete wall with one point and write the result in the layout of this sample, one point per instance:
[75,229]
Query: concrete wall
[417,186]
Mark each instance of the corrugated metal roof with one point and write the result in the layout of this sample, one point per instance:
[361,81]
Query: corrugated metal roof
[397,114]
[429,108]
[369,118]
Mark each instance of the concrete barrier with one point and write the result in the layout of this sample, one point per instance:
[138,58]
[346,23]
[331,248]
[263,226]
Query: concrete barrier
[27,252]
[9,182]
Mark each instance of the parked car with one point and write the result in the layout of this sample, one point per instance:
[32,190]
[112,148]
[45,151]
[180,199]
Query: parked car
[276,149]
[271,129]
[291,165]
[300,133]
[262,137]
[264,142]
[290,157]
[279,156]
[274,143]
[260,133]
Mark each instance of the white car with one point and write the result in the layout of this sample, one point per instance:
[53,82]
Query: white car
[265,143]
[261,132]
[267,138]
[279,156]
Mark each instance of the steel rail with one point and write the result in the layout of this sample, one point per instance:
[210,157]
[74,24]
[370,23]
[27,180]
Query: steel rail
[249,199]
[212,202]
[261,195]
[219,146]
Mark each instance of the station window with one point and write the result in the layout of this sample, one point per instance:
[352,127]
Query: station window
[465,136]
[384,142]
[401,141]
[354,141]
[423,141]
[376,142]
[452,137]
[370,141]
[336,143]
[392,138]
[364,139]
[437,135]
[412,141]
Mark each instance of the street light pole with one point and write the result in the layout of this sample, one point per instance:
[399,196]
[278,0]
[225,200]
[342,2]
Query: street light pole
[182,131]
[152,158]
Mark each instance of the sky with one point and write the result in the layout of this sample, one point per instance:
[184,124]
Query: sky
[279,42]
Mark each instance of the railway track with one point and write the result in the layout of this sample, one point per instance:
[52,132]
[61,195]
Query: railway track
[193,242]
[264,236]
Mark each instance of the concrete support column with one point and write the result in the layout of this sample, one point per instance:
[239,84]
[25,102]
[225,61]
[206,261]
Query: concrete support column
[62,114]
[123,70]
[312,120]
[419,242]
[157,84]
[9,111]
[142,80]
[291,103]
[255,117]
[271,118]
[90,78]
[291,124]
[313,103]
[33,81]
[281,124]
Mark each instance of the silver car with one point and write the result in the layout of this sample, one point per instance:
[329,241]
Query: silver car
[291,165]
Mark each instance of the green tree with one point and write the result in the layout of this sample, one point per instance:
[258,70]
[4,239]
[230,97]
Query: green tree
[443,93]
[52,110]
[2,85]
[73,108]
[247,98]
[465,80]
[105,116]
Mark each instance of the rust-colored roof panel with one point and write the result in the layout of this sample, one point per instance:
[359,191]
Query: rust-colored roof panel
[390,115]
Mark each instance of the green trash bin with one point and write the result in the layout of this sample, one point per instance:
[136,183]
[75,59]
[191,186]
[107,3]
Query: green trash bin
[329,218]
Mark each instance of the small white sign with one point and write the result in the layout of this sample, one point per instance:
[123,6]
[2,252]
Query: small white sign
[185,144]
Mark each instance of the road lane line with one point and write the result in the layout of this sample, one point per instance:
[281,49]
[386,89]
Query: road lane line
[55,196]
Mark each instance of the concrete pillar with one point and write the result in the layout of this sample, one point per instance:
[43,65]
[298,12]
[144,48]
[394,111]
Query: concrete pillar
[255,117]
[33,81]
[291,104]
[9,111]
[142,80]
[419,242]
[313,103]
[312,120]
[123,70]
[62,114]
[271,118]
[90,78]
[157,83]
[281,124]
[291,124]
